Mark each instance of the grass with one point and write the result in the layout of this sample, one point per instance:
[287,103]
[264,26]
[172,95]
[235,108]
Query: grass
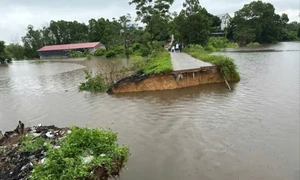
[157,63]
[93,84]
[80,153]
[29,144]
[227,67]
[253,44]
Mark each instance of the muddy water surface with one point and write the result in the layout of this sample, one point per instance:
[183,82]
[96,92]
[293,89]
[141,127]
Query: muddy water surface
[203,132]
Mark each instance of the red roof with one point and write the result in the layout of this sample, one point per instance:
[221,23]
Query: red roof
[69,46]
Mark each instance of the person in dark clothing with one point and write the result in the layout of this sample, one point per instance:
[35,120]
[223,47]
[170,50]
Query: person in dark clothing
[180,47]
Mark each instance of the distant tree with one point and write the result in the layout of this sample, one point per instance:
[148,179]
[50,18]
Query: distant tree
[33,41]
[126,32]
[284,18]
[193,23]
[153,13]
[258,18]
[3,55]
[15,51]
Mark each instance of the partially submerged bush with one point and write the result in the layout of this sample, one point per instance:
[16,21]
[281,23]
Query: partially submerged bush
[93,84]
[76,54]
[110,54]
[232,45]
[100,52]
[88,57]
[227,67]
[253,44]
[83,154]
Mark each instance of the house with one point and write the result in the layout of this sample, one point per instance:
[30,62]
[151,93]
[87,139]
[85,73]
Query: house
[62,50]
[225,20]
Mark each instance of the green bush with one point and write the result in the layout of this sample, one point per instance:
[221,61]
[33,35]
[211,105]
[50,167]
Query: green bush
[159,62]
[232,45]
[93,84]
[227,67]
[210,48]
[138,63]
[80,154]
[88,57]
[76,54]
[110,54]
[29,144]
[100,52]
[253,44]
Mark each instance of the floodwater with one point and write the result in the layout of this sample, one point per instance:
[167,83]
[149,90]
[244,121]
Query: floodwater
[204,132]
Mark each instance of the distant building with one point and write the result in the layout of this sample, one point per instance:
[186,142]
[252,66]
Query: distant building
[225,20]
[62,50]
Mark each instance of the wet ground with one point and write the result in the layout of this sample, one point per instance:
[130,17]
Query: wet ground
[204,132]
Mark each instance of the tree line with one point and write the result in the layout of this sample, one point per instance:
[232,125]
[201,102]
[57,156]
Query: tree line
[255,22]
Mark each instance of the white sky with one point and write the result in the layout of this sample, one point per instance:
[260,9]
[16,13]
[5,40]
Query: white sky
[16,15]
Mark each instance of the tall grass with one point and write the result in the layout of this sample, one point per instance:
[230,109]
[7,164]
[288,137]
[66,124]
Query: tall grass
[156,63]
[227,67]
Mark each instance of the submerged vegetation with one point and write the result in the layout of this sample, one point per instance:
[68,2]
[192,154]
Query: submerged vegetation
[227,67]
[253,44]
[93,84]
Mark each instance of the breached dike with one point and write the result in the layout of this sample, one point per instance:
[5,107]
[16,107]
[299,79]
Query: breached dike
[166,81]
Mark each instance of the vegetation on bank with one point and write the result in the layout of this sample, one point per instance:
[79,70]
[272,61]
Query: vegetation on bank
[93,83]
[49,152]
[227,67]
[4,57]
[253,44]
[157,63]
[216,44]
[80,154]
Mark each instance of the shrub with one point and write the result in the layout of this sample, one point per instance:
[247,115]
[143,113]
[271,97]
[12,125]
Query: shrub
[75,54]
[232,45]
[100,52]
[80,154]
[158,63]
[88,57]
[30,145]
[227,67]
[93,84]
[210,48]
[138,63]
[253,44]
[110,54]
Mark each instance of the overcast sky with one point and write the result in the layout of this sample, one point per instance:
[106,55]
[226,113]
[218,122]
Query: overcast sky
[16,15]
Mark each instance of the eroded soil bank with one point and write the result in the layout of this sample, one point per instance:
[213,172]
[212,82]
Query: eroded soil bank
[173,80]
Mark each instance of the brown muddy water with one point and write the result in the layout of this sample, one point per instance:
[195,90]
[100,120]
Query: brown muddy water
[203,132]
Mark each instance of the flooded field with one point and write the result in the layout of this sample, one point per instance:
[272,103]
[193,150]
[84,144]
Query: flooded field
[204,132]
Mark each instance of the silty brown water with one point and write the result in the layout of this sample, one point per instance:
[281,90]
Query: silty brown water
[203,132]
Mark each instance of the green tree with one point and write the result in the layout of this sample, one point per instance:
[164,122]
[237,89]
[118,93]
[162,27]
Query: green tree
[258,18]
[3,55]
[15,51]
[193,23]
[126,33]
[33,41]
[153,13]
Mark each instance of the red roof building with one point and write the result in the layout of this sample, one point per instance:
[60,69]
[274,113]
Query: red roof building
[63,49]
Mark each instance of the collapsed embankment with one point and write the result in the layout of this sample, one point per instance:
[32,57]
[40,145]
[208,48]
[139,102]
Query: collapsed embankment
[172,80]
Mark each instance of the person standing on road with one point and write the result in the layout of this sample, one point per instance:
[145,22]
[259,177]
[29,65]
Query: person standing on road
[180,47]
[177,47]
